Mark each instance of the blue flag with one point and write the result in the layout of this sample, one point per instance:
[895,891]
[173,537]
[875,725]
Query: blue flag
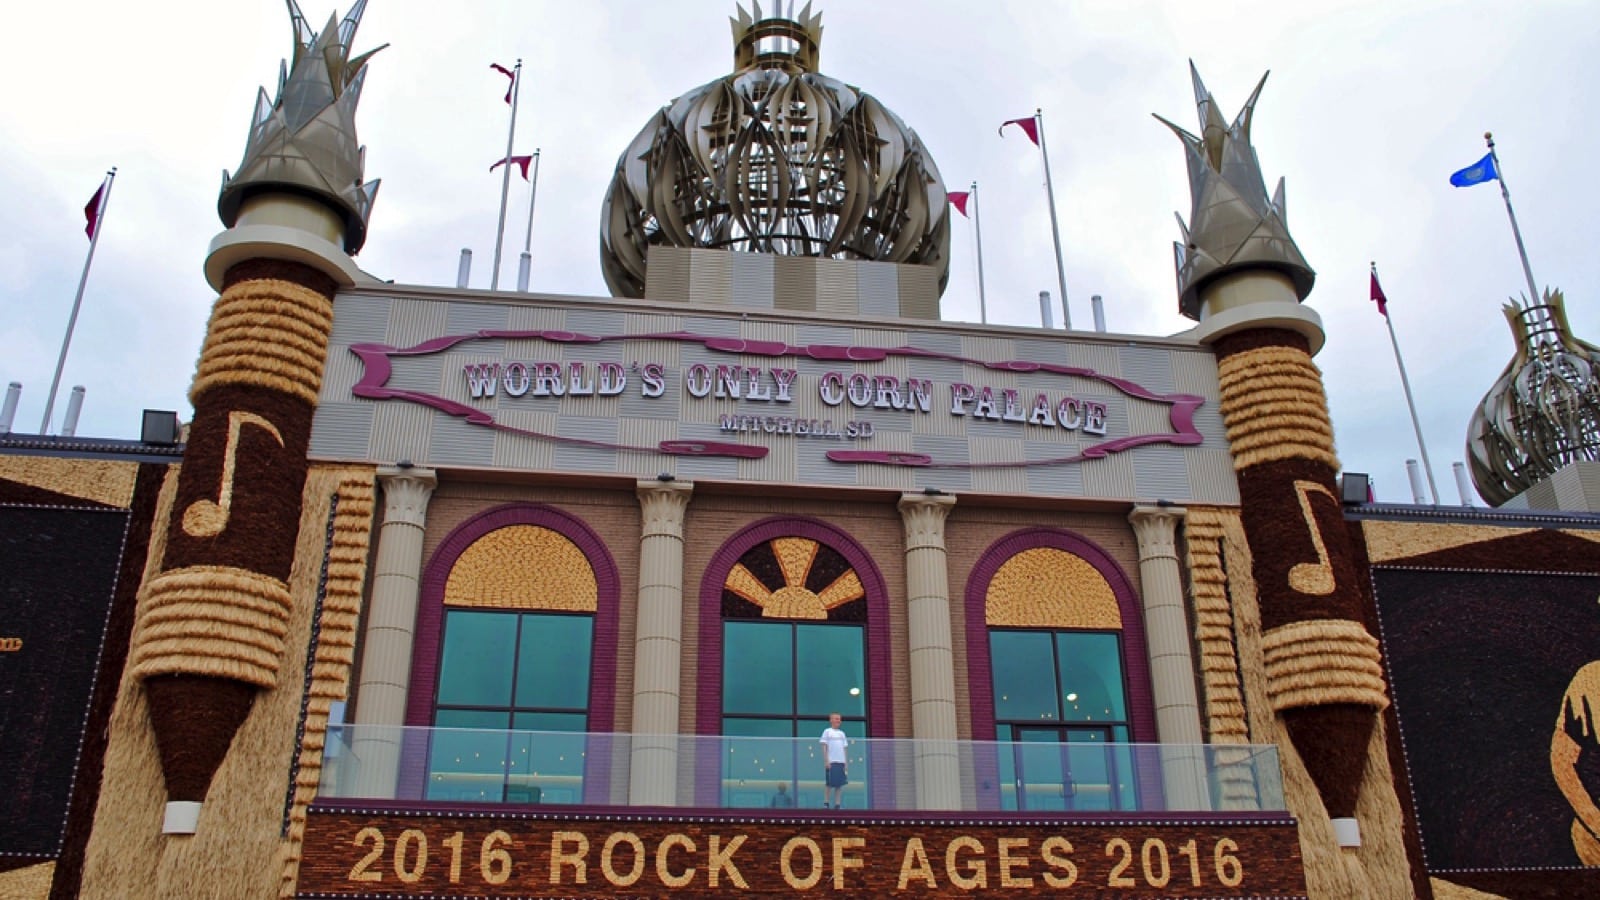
[1477,173]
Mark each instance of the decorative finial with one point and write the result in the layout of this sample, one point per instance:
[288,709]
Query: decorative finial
[1233,224]
[304,142]
[779,41]
[1541,413]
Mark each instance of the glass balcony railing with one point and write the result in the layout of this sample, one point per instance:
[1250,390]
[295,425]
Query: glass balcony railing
[450,765]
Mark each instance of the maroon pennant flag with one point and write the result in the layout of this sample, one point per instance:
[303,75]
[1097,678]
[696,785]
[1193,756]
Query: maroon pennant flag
[91,212]
[521,162]
[1378,297]
[1029,125]
[959,199]
[513,76]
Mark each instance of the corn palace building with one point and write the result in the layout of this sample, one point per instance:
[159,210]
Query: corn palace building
[447,592]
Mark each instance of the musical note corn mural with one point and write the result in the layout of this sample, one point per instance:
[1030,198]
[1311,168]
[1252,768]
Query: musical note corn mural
[213,623]
[1242,276]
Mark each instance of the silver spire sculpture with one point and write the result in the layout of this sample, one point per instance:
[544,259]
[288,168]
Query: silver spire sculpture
[1233,224]
[304,141]
[1543,412]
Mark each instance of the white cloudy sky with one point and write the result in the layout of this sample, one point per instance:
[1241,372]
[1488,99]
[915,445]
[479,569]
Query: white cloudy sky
[1369,107]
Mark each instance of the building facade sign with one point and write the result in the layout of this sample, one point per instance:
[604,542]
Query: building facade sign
[620,388]
[370,853]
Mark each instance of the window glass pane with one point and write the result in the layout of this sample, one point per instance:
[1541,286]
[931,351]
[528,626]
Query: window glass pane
[1024,676]
[553,664]
[830,674]
[1006,766]
[465,764]
[546,764]
[758,755]
[1093,767]
[475,669]
[757,668]
[1042,778]
[1091,676]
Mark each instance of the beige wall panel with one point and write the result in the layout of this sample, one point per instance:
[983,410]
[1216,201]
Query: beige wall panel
[534,318]
[711,278]
[1102,358]
[1000,481]
[516,452]
[1111,477]
[400,431]
[1195,373]
[919,292]
[838,287]
[667,275]
[794,283]
[413,323]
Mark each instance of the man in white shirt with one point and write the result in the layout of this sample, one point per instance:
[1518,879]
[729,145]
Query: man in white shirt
[837,768]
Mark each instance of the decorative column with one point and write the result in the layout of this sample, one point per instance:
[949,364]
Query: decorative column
[1172,669]
[1241,276]
[391,628]
[658,644]
[213,623]
[933,681]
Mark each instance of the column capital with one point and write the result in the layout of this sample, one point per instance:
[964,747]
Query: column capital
[1155,527]
[923,516]
[406,491]
[663,504]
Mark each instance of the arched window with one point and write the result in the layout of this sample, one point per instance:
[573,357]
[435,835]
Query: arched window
[518,614]
[793,612]
[1059,628]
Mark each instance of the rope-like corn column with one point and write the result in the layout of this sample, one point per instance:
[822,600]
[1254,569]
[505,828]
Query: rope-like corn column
[215,621]
[1205,537]
[1274,407]
[268,333]
[1323,661]
[330,675]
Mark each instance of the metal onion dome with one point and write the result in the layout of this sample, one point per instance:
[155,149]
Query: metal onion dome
[1544,411]
[775,158]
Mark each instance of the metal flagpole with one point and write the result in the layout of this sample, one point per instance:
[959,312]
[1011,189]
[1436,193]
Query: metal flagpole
[977,232]
[505,179]
[77,302]
[1505,194]
[1055,229]
[1427,466]
[525,265]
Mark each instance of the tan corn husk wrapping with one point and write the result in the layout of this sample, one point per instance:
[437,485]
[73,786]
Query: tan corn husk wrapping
[1275,408]
[1449,890]
[1044,587]
[523,567]
[215,621]
[100,480]
[28,883]
[268,333]
[330,675]
[1388,541]
[1204,534]
[1323,661]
